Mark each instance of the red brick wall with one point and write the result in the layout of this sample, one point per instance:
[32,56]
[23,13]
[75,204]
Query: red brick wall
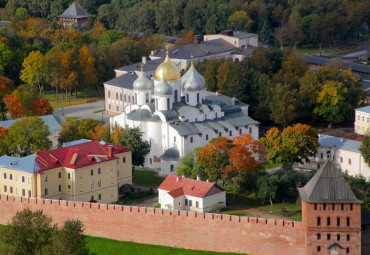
[309,215]
[177,228]
[365,235]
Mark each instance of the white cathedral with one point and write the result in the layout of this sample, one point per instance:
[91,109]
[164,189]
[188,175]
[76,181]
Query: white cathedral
[176,114]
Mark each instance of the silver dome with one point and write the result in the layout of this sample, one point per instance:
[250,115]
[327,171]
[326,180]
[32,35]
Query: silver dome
[163,88]
[194,82]
[187,75]
[142,83]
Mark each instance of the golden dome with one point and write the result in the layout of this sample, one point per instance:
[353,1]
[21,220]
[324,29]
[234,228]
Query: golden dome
[167,70]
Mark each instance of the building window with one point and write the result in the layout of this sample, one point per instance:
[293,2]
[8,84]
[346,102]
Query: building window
[191,139]
[348,222]
[10,177]
[333,207]
[108,94]
[5,188]
[92,197]
[99,183]
[347,250]
[197,97]
[69,175]
[46,178]
[117,108]
[124,98]
[328,221]
[109,106]
[168,103]
[341,159]
[147,97]
[120,97]
[4,175]
[322,156]
[318,221]
[11,189]
[69,186]
[135,102]
[338,237]
[367,119]
[92,172]
[196,204]
[190,202]
[124,159]
[240,131]
[171,168]
[129,99]
[230,133]
[349,161]
[29,193]
[186,202]
[318,236]
[60,175]
[151,161]
[358,117]
[348,237]
[99,197]
[116,96]
[250,130]
[338,221]
[23,179]
[176,96]
[206,137]
[341,207]
[187,97]
[324,206]
[318,248]
[363,118]
[23,192]
[174,139]
[92,184]
[328,237]
[219,134]
[315,206]
[46,192]
[351,207]
[60,188]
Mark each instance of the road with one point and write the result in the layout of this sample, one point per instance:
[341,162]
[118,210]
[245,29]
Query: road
[84,111]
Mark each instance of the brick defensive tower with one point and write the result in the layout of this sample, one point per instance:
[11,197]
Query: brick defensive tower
[331,213]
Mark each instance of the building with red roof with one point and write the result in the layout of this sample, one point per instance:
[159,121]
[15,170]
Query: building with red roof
[180,193]
[81,171]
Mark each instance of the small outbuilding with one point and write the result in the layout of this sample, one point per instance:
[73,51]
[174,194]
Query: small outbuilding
[180,193]
[74,15]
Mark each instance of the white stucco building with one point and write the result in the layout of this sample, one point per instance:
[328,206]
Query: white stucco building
[180,193]
[362,120]
[176,114]
[344,153]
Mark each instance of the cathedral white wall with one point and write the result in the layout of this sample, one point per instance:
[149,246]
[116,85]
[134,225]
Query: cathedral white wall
[176,86]
[143,97]
[168,167]
[162,103]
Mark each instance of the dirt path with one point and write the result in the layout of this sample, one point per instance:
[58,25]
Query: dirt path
[264,214]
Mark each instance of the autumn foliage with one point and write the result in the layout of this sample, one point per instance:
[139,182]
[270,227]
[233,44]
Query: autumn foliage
[15,107]
[3,132]
[230,159]
[41,107]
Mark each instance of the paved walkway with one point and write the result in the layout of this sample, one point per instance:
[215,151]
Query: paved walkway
[84,111]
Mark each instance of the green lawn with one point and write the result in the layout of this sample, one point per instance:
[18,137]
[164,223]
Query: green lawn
[235,212]
[276,209]
[147,177]
[99,111]
[102,246]
[269,164]
[132,198]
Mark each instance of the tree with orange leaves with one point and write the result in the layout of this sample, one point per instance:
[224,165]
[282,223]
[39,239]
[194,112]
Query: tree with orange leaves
[6,88]
[87,74]
[3,145]
[295,144]
[15,107]
[41,107]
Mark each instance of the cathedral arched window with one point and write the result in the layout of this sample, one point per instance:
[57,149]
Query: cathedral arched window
[168,104]
[124,98]
[176,96]
[135,102]
[187,97]
[197,97]
[156,103]
[147,97]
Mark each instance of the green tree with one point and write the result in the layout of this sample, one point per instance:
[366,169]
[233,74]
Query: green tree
[283,104]
[167,16]
[267,187]
[365,149]
[5,57]
[29,233]
[28,135]
[188,165]
[295,144]
[27,95]
[132,138]
[332,103]
[266,34]
[240,21]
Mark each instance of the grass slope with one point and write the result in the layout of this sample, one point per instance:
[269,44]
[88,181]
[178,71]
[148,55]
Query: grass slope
[147,177]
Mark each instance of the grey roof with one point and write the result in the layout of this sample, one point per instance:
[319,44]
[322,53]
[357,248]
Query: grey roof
[189,73]
[171,154]
[5,23]
[170,115]
[49,120]
[155,118]
[124,81]
[25,164]
[139,115]
[326,61]
[185,128]
[195,82]
[327,186]
[76,142]
[74,11]
[163,88]
[149,66]
[143,83]
[243,35]
[205,48]
[339,143]
[216,98]
[239,119]
[364,109]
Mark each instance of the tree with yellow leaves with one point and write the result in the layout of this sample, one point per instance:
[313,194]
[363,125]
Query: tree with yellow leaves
[87,74]
[240,20]
[332,103]
[34,69]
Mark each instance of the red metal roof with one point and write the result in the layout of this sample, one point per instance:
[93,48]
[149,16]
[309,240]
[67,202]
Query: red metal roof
[77,156]
[178,186]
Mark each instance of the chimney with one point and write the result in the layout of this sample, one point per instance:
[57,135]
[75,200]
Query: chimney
[207,180]
[110,151]
[177,178]
[183,176]
[198,177]
[197,39]
[143,59]
[341,140]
